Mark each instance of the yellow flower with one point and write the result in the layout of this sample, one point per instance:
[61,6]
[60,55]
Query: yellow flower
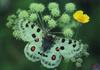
[81,17]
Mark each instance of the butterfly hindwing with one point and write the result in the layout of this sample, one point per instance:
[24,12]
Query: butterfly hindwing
[51,58]
[32,51]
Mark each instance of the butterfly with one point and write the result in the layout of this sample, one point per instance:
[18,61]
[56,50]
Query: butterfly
[47,48]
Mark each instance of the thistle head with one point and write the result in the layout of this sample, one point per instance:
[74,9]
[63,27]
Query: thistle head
[55,12]
[33,17]
[70,7]
[11,20]
[68,32]
[65,18]
[46,18]
[37,7]
[53,5]
[23,14]
[52,23]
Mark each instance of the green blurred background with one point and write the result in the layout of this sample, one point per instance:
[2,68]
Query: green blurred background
[11,50]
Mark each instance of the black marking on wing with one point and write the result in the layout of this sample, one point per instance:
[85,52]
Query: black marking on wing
[63,40]
[22,26]
[33,35]
[70,41]
[38,30]
[26,25]
[62,47]
[74,45]
[42,54]
[32,26]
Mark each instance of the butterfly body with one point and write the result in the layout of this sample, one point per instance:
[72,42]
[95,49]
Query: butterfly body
[48,42]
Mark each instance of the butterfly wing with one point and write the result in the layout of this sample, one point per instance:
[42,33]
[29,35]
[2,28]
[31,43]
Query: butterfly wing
[32,51]
[70,48]
[28,31]
[33,34]
[51,58]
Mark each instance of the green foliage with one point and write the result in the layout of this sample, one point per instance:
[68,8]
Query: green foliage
[54,19]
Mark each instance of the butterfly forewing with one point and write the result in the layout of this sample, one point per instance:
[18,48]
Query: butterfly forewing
[29,31]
